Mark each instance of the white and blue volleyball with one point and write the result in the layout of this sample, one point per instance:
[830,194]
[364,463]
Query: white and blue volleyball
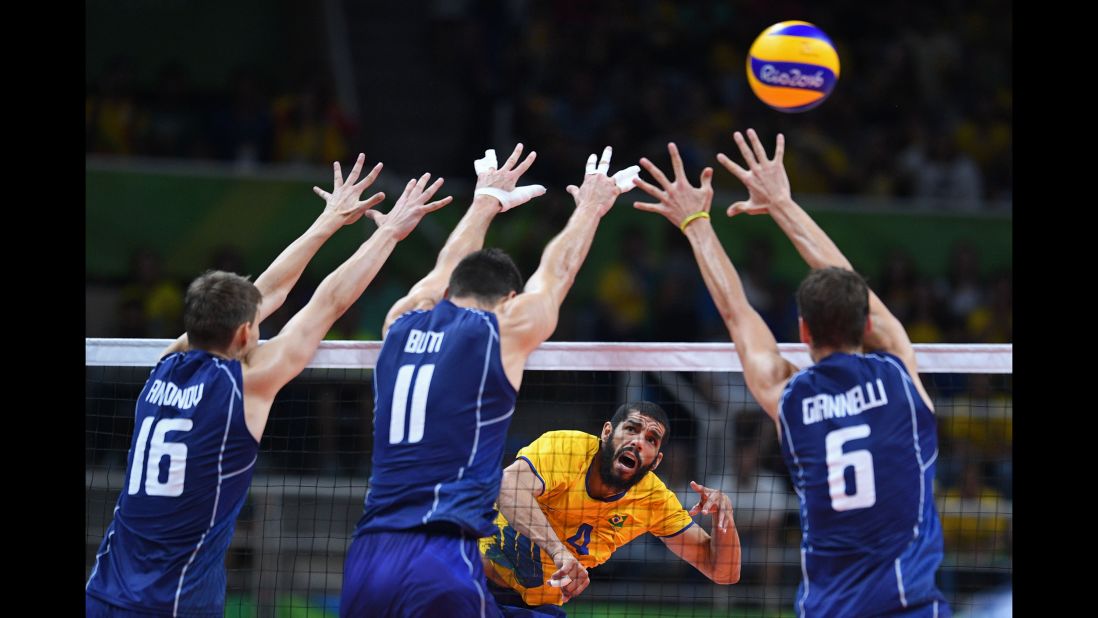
[792,66]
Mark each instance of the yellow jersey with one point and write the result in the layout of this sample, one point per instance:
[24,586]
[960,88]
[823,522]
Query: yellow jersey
[592,528]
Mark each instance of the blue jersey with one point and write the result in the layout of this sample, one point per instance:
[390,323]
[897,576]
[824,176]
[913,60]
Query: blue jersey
[860,444]
[188,471]
[442,405]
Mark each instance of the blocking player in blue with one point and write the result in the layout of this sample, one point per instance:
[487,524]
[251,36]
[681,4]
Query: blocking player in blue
[857,428]
[201,414]
[444,391]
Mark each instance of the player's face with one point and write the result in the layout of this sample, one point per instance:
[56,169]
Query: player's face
[632,450]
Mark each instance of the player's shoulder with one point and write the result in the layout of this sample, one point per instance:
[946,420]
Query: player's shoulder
[179,356]
[653,486]
[797,379]
[881,356]
[566,441]
[568,435]
[165,362]
[560,453]
[193,357]
[527,314]
[886,360]
[651,500]
[417,311]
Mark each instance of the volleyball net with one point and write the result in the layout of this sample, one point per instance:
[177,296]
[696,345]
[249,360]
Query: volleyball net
[314,464]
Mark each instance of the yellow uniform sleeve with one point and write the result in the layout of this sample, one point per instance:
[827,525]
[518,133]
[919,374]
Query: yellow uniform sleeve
[558,456]
[667,517]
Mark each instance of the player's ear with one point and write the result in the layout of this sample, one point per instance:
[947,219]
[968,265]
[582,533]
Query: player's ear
[659,458]
[868,325]
[806,337]
[240,337]
[607,429]
[446,293]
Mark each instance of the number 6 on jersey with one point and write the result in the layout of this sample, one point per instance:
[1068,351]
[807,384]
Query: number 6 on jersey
[865,490]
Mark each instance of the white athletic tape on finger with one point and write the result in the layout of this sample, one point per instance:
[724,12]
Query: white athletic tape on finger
[510,199]
[486,163]
[557,583]
[597,165]
[624,178]
[604,162]
[592,161]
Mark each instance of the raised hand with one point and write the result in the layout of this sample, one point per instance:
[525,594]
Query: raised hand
[342,203]
[411,207]
[678,199]
[599,190]
[765,179]
[500,182]
[715,502]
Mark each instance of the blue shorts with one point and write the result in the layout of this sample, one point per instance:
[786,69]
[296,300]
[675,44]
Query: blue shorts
[415,573]
[94,608]
[933,609]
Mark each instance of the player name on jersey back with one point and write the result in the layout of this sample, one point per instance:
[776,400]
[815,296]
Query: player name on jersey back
[851,403]
[168,394]
[423,341]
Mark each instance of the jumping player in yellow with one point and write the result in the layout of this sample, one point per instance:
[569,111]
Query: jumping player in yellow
[571,496]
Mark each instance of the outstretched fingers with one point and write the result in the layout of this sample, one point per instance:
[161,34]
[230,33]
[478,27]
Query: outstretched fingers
[707,178]
[650,188]
[521,168]
[733,167]
[745,150]
[374,200]
[513,159]
[357,169]
[604,161]
[655,173]
[369,179]
[676,162]
[435,205]
[430,191]
[756,145]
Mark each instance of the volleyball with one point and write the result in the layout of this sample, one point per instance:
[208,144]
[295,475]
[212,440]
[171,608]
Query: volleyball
[792,66]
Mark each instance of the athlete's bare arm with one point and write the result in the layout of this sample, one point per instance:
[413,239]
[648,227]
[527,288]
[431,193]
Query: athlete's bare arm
[468,236]
[271,365]
[521,487]
[769,192]
[716,556]
[276,282]
[764,368]
[529,318]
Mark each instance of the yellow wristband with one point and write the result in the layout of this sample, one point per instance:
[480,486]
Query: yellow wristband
[701,214]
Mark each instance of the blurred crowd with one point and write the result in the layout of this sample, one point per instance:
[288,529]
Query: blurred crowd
[640,295]
[923,107]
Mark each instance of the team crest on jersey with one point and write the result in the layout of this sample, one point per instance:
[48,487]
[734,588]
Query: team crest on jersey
[617,520]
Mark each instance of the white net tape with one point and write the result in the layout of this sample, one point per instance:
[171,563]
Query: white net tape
[589,356]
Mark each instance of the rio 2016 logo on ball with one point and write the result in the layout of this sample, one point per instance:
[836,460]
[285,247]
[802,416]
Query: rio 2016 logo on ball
[792,66]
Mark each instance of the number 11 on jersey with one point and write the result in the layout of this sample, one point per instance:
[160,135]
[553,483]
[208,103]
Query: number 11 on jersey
[419,403]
